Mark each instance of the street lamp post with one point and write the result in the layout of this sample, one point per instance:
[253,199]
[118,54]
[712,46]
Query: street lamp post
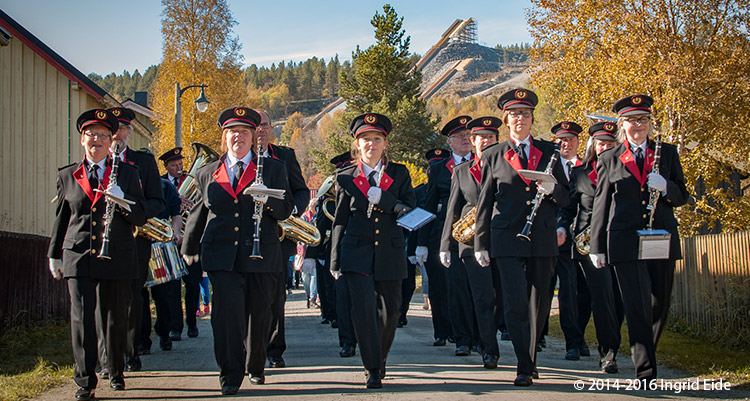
[201,103]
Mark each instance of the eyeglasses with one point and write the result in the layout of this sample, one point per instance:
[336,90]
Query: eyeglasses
[97,135]
[264,125]
[518,114]
[639,120]
[461,136]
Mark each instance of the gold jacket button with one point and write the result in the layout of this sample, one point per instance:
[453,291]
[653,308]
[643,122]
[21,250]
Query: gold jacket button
[236,215]
[528,189]
[528,202]
[377,231]
[643,189]
[93,210]
[236,201]
[93,223]
[376,219]
[235,243]
[93,237]
[645,216]
[93,251]
[236,229]
[643,202]
[376,243]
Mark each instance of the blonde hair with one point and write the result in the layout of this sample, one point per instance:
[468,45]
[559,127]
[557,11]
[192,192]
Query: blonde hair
[225,149]
[355,153]
[622,136]
[506,115]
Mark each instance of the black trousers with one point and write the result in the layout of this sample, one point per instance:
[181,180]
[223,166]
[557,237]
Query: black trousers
[499,310]
[567,297]
[603,305]
[143,336]
[441,321]
[135,311]
[98,301]
[326,291]
[277,336]
[646,287]
[167,303]
[483,299]
[344,314]
[192,282]
[375,313]
[584,299]
[527,303]
[408,285]
[241,321]
[460,306]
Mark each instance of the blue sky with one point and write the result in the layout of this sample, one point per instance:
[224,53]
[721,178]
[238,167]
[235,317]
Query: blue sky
[125,35]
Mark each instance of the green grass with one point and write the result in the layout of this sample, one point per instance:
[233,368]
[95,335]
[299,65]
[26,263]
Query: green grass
[34,360]
[692,354]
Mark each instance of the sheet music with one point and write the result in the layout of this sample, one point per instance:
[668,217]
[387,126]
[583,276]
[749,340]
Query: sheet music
[415,219]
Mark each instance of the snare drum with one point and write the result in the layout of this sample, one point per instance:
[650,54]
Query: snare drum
[165,264]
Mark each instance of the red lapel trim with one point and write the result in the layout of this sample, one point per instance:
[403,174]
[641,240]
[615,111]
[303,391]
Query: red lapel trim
[577,163]
[271,152]
[476,171]
[451,164]
[534,155]
[593,174]
[104,183]
[361,181]
[83,181]
[628,159]
[222,178]
[512,158]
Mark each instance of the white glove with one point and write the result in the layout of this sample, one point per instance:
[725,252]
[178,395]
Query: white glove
[190,259]
[445,259]
[545,188]
[483,258]
[412,259]
[374,194]
[56,268]
[322,262]
[421,254]
[336,274]
[259,198]
[598,259]
[116,191]
[561,236]
[657,182]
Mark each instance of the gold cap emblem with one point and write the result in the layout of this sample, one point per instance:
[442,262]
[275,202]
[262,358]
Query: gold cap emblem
[438,152]
[487,122]
[240,112]
[565,126]
[462,120]
[609,127]
[116,112]
[637,100]
[521,94]
[371,119]
[101,115]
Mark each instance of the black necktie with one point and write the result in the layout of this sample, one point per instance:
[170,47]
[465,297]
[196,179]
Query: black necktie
[371,178]
[522,155]
[569,166]
[94,176]
[238,174]
[463,159]
[176,181]
[639,158]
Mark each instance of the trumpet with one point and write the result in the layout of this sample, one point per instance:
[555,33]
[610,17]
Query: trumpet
[299,230]
[582,240]
[155,229]
[463,229]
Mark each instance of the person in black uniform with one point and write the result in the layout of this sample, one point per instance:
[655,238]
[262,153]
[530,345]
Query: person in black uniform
[625,181]
[151,184]
[449,296]
[605,297]
[96,285]
[465,186]
[566,134]
[368,249]
[173,163]
[505,201]
[301,196]
[222,227]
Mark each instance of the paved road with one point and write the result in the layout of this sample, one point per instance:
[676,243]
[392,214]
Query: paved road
[416,370]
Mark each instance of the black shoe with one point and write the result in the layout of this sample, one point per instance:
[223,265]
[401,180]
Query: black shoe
[543,342]
[276,362]
[373,379]
[523,380]
[538,347]
[175,335]
[573,354]
[402,322]
[347,351]
[584,350]
[334,324]
[165,343]
[463,350]
[439,342]
[133,364]
[504,335]
[142,350]
[257,380]
[229,390]
[610,367]
[490,361]
[117,383]
[451,340]
[193,331]
[85,394]
[104,374]
[534,374]
[324,321]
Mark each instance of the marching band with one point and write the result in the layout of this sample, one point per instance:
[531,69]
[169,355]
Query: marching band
[512,217]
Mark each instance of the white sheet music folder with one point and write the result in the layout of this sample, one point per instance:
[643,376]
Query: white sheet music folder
[415,219]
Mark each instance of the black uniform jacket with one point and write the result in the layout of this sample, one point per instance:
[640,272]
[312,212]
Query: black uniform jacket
[464,193]
[300,192]
[622,196]
[79,224]
[583,180]
[374,246]
[436,200]
[412,237]
[221,222]
[150,180]
[505,203]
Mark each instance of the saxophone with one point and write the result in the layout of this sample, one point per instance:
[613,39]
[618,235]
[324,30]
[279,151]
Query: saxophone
[155,229]
[463,229]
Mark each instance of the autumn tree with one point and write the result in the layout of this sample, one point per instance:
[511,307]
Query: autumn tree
[691,56]
[198,48]
[380,81]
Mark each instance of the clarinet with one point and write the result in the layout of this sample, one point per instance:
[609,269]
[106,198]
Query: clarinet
[109,212]
[380,178]
[526,232]
[258,214]
[654,194]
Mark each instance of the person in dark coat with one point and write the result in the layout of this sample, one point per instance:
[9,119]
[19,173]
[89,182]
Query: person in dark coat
[465,186]
[576,217]
[625,184]
[97,284]
[505,201]
[368,248]
[222,227]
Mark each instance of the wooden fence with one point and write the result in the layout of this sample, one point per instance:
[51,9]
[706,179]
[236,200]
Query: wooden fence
[712,282]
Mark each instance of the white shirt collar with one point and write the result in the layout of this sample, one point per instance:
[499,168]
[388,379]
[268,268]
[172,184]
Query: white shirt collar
[526,141]
[232,161]
[573,160]
[366,170]
[459,159]
[643,146]
[102,166]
